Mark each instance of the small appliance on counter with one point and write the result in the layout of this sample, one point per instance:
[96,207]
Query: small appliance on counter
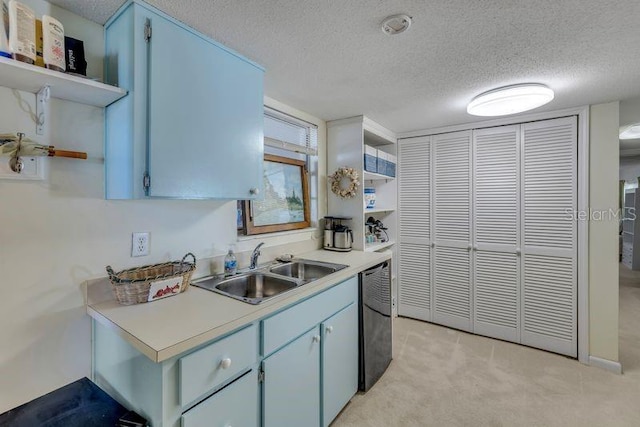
[337,237]
[375,231]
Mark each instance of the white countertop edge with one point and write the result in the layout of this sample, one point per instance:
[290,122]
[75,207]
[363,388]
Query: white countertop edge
[135,342]
[261,310]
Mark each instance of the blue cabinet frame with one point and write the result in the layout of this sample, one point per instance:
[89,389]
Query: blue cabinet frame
[191,126]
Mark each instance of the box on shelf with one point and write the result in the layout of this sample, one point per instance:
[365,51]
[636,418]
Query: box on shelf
[370,159]
[391,165]
[22,32]
[74,56]
[39,44]
[382,162]
[369,198]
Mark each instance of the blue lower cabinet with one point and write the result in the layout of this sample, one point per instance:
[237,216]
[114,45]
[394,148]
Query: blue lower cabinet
[310,370]
[235,405]
[308,381]
[339,361]
[291,389]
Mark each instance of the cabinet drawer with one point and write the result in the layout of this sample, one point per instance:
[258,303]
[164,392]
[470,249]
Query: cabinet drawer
[234,405]
[292,322]
[210,366]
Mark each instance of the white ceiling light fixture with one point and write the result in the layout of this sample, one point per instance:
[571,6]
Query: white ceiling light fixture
[396,24]
[510,100]
[630,132]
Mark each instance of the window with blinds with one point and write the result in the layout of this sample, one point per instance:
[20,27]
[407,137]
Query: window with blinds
[290,194]
[284,132]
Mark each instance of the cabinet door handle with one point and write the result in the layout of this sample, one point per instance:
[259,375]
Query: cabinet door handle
[254,191]
[518,251]
[225,363]
[316,338]
[329,329]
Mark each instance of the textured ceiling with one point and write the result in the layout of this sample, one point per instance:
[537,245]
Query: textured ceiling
[331,59]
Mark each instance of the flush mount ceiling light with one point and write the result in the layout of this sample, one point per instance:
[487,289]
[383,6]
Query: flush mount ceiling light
[396,24]
[630,132]
[510,100]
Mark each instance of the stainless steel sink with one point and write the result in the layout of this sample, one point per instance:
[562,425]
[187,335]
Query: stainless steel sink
[306,270]
[253,287]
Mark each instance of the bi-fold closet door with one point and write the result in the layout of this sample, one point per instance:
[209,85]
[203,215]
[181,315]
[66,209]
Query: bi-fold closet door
[452,275]
[495,251]
[414,203]
[496,243]
[549,236]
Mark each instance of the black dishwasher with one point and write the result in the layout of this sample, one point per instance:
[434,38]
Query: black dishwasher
[375,324]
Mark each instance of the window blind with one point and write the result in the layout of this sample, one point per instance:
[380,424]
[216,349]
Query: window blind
[289,133]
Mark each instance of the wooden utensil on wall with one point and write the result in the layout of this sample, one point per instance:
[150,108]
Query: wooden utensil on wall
[28,148]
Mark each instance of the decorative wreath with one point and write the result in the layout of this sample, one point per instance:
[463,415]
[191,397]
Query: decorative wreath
[336,182]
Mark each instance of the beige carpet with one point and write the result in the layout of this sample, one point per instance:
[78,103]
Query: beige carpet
[442,377]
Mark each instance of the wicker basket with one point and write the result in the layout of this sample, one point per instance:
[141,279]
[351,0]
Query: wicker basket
[132,286]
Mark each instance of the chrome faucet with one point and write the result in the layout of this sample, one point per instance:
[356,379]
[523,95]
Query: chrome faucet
[254,257]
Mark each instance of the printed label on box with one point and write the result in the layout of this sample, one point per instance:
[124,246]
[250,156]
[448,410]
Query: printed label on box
[164,288]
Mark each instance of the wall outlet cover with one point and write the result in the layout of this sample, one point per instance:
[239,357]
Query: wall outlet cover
[140,244]
[33,169]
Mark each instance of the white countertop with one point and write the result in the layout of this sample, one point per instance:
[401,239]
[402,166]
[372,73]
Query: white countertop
[165,328]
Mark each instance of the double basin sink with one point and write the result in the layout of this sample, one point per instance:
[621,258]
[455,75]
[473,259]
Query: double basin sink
[255,286]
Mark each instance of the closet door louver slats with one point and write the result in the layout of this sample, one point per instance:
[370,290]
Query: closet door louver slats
[549,312]
[487,240]
[414,177]
[452,170]
[452,229]
[496,232]
[452,288]
[415,281]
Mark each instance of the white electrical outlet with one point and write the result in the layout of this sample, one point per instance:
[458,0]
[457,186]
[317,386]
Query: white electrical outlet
[33,169]
[139,244]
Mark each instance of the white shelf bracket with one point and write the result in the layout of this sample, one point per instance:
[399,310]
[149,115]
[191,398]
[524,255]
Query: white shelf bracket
[42,97]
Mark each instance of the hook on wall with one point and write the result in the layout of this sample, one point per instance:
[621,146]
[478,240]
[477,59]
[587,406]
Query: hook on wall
[42,97]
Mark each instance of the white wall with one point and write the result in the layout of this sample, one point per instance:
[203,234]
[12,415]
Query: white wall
[630,170]
[629,115]
[57,233]
[603,234]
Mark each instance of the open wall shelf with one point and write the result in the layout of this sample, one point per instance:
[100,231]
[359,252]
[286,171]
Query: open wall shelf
[372,247]
[346,140]
[372,176]
[30,78]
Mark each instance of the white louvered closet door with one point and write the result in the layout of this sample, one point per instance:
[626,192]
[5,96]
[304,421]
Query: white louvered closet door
[414,177]
[452,304]
[497,232]
[549,285]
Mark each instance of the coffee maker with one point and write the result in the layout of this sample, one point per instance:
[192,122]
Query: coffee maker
[337,237]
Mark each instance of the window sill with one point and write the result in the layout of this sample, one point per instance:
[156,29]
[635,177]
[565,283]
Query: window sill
[311,231]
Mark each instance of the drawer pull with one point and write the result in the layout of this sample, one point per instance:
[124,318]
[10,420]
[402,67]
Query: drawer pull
[329,329]
[225,363]
[316,338]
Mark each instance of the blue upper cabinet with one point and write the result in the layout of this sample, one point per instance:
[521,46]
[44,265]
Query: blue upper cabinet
[192,124]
